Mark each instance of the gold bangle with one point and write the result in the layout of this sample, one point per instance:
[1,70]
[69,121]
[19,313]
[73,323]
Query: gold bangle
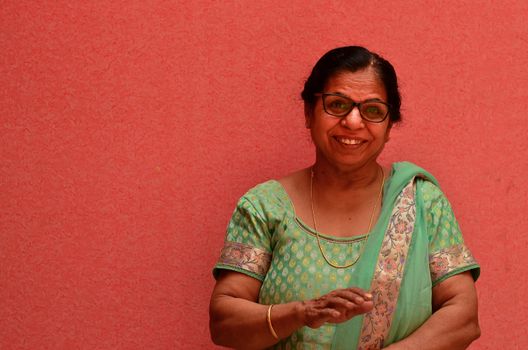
[270,326]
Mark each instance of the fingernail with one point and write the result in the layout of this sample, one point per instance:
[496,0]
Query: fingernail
[368,295]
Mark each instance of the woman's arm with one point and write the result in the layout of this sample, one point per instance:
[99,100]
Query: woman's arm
[238,321]
[454,323]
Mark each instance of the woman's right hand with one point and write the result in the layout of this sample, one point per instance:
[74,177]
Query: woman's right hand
[337,306]
[236,294]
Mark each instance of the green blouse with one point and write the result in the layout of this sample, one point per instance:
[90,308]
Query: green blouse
[267,241]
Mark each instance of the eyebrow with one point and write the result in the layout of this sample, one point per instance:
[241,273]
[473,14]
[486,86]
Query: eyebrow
[347,97]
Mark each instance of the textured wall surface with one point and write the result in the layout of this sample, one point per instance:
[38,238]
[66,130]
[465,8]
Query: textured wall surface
[129,130]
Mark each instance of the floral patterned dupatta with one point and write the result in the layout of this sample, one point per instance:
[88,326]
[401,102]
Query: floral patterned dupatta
[384,264]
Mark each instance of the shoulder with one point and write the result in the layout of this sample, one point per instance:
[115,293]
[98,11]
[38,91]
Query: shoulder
[402,173]
[266,199]
[411,170]
[264,190]
[428,189]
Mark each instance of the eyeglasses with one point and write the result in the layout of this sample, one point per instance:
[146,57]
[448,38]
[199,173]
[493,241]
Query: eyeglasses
[337,105]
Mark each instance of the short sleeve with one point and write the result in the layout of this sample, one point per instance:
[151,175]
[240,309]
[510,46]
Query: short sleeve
[247,247]
[448,255]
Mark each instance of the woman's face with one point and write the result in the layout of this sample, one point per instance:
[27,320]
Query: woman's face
[349,142]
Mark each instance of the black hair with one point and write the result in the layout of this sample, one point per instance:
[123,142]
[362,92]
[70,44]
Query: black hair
[352,59]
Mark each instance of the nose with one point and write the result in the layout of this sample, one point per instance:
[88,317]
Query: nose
[353,119]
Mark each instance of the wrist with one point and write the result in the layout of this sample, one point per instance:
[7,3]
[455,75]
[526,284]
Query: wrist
[300,313]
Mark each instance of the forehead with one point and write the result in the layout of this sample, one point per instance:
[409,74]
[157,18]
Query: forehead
[360,85]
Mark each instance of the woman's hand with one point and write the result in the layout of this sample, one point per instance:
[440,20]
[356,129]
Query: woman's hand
[236,294]
[337,306]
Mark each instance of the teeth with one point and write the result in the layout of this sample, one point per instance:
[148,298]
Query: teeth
[349,141]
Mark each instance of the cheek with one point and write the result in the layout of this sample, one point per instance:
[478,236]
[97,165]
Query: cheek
[318,130]
[381,133]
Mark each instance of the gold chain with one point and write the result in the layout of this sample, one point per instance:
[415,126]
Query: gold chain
[363,239]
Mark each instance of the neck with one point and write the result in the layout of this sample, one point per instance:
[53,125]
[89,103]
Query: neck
[360,177]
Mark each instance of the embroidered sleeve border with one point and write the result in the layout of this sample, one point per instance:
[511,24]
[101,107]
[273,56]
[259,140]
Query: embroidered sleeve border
[449,261]
[244,258]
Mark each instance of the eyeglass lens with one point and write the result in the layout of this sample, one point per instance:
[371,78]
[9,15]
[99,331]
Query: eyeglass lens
[340,106]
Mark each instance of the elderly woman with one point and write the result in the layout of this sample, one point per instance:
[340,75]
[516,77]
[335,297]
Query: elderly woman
[346,254]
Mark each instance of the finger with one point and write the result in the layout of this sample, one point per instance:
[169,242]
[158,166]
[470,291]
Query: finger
[316,309]
[351,295]
[337,302]
[364,294]
[325,314]
[317,318]
[358,310]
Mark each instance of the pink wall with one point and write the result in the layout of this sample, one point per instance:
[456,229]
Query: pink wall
[130,130]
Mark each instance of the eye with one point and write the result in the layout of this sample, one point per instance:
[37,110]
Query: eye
[372,110]
[337,104]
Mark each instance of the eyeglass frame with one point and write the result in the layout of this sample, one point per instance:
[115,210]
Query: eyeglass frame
[354,105]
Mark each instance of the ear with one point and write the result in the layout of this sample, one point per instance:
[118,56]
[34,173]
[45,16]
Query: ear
[308,115]
[387,132]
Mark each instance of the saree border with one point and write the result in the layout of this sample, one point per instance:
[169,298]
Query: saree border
[388,274]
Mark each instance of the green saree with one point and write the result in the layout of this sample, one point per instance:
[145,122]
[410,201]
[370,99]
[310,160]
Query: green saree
[415,244]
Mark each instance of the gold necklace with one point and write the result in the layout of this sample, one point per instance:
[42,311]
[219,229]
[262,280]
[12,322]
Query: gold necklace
[362,239]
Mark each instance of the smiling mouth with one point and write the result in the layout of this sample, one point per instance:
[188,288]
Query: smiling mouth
[349,141]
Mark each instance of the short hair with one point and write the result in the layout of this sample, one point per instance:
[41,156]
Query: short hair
[352,59]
